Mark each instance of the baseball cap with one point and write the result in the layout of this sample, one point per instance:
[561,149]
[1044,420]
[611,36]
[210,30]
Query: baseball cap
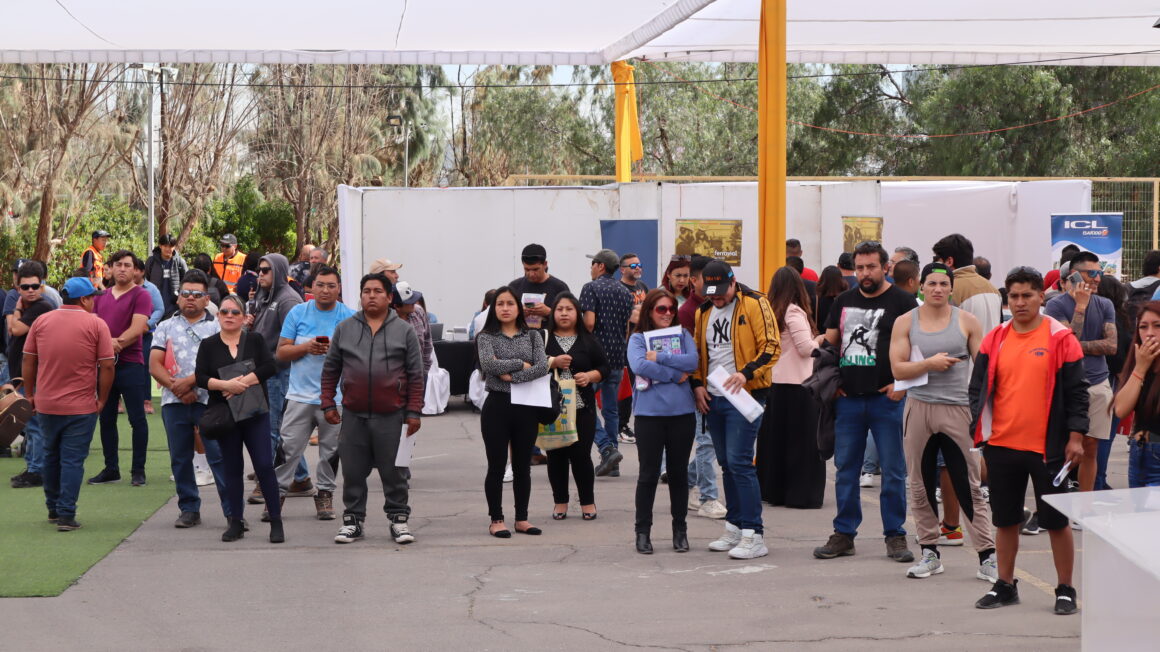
[18,263]
[78,287]
[716,278]
[936,268]
[405,295]
[606,257]
[100,233]
[384,265]
[229,239]
[534,253]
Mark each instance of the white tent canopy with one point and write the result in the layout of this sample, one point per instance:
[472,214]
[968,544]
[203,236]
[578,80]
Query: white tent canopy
[595,32]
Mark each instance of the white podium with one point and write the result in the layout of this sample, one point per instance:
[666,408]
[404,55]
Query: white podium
[1121,566]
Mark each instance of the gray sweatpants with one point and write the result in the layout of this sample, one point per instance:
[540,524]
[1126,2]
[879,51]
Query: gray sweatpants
[369,442]
[298,421]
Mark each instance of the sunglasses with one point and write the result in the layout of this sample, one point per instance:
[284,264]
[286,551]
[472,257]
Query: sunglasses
[192,294]
[230,311]
[265,270]
[1092,273]
[634,265]
[664,310]
[225,244]
[29,286]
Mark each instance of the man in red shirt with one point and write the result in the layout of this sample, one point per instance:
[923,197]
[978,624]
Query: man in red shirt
[68,370]
[1029,429]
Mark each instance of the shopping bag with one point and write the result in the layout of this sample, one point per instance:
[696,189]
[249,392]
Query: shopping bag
[438,390]
[561,432]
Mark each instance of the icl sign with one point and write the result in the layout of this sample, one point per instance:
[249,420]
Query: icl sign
[1100,233]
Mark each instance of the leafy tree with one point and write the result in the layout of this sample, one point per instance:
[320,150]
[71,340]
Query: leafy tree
[260,225]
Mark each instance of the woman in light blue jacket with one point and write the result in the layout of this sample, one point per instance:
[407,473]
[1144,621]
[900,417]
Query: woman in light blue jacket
[665,414]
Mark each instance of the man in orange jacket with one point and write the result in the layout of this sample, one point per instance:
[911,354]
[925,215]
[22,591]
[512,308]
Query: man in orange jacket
[228,264]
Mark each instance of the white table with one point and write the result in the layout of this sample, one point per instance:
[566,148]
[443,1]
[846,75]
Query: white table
[1121,566]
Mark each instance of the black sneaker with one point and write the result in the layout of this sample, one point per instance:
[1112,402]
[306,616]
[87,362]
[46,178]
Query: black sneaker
[1065,603]
[67,524]
[350,531]
[188,519]
[53,517]
[26,480]
[1031,524]
[1001,594]
[609,459]
[615,472]
[137,478]
[106,476]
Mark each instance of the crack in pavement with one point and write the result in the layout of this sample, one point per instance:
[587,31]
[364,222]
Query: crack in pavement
[599,635]
[480,583]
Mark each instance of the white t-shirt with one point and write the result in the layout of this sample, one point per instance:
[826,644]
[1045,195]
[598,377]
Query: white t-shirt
[719,340]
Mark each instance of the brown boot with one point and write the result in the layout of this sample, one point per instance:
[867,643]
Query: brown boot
[324,504]
[256,497]
[301,489]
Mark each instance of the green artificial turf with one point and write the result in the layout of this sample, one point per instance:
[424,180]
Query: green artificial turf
[35,559]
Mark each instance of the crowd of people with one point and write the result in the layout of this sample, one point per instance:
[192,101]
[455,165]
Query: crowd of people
[948,392]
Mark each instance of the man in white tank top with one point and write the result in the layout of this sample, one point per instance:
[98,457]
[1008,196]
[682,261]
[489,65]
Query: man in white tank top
[930,346]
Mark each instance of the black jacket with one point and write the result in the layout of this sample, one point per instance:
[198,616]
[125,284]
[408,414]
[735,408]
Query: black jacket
[823,387]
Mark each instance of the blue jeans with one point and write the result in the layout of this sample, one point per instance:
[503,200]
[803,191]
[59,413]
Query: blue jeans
[870,459]
[1144,465]
[33,444]
[179,420]
[734,439]
[66,446]
[276,388]
[609,425]
[883,418]
[701,472]
[129,385]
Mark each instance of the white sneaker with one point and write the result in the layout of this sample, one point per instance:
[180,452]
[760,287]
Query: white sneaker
[401,533]
[927,566]
[712,509]
[695,498]
[625,438]
[508,475]
[866,480]
[1076,526]
[203,477]
[729,540]
[752,546]
[989,569]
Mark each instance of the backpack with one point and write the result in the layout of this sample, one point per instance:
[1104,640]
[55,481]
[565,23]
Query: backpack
[1138,297]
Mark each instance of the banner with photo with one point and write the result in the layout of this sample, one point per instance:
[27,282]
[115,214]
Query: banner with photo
[1100,233]
[720,239]
[860,229]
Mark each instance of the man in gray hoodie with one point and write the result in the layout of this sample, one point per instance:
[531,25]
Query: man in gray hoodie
[266,313]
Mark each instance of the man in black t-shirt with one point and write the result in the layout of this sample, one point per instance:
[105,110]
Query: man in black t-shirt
[29,307]
[859,325]
[536,282]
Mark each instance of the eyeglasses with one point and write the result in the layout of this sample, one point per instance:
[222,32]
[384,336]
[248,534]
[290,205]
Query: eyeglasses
[29,286]
[192,294]
[324,286]
[229,311]
[633,265]
[664,309]
[224,244]
[265,270]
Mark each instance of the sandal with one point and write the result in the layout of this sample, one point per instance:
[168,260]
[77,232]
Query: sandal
[500,534]
[559,516]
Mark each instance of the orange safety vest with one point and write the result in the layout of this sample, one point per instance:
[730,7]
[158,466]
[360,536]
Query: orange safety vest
[229,270]
[97,273]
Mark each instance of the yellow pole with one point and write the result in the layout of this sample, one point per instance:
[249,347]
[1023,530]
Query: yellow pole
[627,128]
[771,125]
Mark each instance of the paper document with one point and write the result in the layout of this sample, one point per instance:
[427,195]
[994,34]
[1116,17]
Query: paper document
[406,448]
[745,404]
[537,393]
[664,340]
[915,356]
[530,299]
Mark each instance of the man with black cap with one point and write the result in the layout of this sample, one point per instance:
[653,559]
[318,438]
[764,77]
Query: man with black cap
[736,331]
[607,306]
[937,419]
[230,263]
[405,301]
[165,269]
[93,259]
[536,288]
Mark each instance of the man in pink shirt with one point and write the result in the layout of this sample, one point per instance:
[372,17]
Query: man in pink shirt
[68,371]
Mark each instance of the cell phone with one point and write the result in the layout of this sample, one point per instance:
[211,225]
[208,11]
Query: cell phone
[322,339]
[963,356]
[1075,278]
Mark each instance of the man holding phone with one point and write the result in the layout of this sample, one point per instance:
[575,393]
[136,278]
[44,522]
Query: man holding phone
[304,342]
[1092,319]
[537,288]
[937,419]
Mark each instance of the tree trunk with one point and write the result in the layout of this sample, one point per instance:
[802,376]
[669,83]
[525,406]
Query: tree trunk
[44,228]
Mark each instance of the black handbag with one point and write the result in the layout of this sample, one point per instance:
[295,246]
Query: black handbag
[548,415]
[216,421]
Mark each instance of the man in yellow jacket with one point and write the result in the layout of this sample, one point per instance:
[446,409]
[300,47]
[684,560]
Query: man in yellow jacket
[735,331]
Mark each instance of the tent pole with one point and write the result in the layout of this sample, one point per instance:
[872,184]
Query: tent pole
[771,139]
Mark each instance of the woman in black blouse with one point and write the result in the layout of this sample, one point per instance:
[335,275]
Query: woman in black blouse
[578,355]
[218,351]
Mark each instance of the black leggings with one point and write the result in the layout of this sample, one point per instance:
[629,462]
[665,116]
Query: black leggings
[254,433]
[502,424]
[655,436]
[579,455]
